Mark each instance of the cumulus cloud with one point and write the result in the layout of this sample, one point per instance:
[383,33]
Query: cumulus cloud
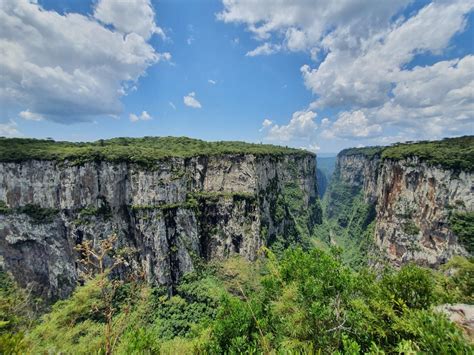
[191,101]
[267,123]
[129,16]
[362,53]
[301,24]
[213,82]
[71,67]
[363,76]
[144,116]
[352,125]
[301,126]
[9,129]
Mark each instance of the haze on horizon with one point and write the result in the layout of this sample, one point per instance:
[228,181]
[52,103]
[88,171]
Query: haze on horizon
[322,75]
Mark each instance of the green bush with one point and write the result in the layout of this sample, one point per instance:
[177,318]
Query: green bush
[412,286]
[410,228]
[462,225]
[304,302]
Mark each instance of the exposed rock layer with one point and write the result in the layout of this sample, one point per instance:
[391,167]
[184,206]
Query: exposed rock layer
[414,202]
[181,209]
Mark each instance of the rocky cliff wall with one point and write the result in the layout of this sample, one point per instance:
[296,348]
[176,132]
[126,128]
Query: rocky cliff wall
[414,202]
[171,213]
[361,172]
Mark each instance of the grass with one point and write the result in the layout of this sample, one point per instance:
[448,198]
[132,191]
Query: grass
[146,150]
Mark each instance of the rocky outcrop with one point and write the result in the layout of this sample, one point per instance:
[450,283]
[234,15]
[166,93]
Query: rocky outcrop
[414,205]
[462,315]
[359,171]
[414,201]
[172,213]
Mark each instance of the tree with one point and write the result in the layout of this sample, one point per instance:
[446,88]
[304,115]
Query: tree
[98,262]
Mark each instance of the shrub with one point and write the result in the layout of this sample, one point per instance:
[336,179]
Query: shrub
[462,225]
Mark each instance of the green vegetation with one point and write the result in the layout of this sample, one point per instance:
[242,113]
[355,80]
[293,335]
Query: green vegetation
[193,199]
[369,152]
[4,209]
[450,153]
[37,213]
[87,214]
[306,302]
[349,222]
[462,224]
[410,228]
[145,151]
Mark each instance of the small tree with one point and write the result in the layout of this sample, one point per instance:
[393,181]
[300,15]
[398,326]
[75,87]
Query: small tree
[98,262]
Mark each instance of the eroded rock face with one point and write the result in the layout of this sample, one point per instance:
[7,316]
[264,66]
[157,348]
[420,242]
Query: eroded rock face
[462,315]
[413,208]
[360,172]
[413,203]
[181,209]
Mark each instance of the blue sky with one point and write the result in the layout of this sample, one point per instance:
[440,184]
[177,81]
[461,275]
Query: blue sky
[306,73]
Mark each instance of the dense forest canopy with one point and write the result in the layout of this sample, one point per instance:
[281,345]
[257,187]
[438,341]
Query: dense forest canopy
[451,153]
[137,150]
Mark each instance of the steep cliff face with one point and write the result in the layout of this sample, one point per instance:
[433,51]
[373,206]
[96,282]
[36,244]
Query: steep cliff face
[359,171]
[417,199]
[171,213]
[415,202]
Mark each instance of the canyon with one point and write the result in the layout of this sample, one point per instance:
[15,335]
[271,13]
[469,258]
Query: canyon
[170,214]
[171,207]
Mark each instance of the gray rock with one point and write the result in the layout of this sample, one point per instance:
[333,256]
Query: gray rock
[147,210]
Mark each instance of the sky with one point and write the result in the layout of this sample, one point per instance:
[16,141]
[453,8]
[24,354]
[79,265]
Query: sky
[312,74]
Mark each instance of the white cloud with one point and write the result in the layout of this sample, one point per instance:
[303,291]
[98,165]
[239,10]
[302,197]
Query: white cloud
[312,148]
[31,116]
[352,125]
[9,129]
[144,116]
[363,76]
[362,53]
[213,82]
[190,40]
[129,16]
[301,126]
[71,67]
[191,101]
[264,49]
[265,124]
[301,24]
[172,105]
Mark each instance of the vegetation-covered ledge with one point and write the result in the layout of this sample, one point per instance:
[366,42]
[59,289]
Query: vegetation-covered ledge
[144,150]
[449,153]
